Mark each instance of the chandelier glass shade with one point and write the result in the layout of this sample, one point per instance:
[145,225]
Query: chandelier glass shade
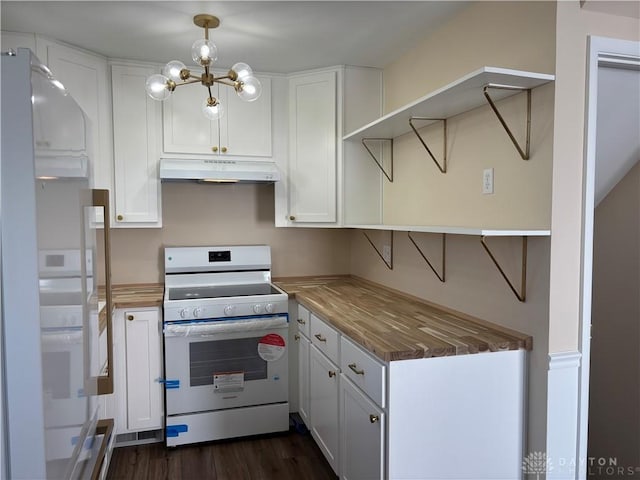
[204,53]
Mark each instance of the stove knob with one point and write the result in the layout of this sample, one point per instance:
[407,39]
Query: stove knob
[269,307]
[257,308]
[197,311]
[229,309]
[184,313]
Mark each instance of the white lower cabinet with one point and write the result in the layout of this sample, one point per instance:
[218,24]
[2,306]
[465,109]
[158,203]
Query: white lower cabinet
[459,416]
[324,379]
[304,347]
[362,434]
[138,369]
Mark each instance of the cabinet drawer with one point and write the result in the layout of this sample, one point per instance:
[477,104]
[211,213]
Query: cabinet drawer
[325,338]
[303,321]
[363,370]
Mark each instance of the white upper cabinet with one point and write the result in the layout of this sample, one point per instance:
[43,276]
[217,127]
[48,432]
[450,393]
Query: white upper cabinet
[312,147]
[85,76]
[243,131]
[136,138]
[322,105]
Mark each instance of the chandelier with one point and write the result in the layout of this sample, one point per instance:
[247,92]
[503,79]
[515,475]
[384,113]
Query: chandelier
[204,53]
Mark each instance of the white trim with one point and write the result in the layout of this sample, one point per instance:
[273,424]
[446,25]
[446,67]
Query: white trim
[562,414]
[611,53]
[564,360]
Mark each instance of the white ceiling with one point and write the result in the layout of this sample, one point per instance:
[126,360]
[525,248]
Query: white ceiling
[270,36]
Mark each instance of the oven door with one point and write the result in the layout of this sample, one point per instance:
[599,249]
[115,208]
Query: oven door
[225,364]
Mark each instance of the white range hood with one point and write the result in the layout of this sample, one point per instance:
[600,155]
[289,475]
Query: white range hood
[218,171]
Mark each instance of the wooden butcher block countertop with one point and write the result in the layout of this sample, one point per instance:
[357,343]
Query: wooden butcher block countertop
[396,326]
[132,296]
[138,295]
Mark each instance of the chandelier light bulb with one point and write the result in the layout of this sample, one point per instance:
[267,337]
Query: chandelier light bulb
[157,87]
[242,70]
[249,89]
[212,112]
[173,69]
[204,52]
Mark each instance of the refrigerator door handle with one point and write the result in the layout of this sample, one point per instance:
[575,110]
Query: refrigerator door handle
[101,199]
[105,428]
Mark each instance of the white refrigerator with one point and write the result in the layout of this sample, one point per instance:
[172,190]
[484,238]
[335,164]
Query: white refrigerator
[55,354]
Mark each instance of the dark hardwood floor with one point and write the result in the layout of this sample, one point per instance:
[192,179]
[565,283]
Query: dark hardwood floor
[283,456]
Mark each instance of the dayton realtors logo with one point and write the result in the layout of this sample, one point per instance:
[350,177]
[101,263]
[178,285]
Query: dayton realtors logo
[536,463]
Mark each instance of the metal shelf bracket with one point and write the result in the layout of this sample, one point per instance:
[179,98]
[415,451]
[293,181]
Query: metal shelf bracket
[389,264]
[521,294]
[523,153]
[443,167]
[444,252]
[379,164]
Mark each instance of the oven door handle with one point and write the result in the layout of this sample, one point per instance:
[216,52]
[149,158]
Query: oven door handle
[211,329]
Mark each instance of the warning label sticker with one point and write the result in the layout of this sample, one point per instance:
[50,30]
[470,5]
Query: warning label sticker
[228,382]
[271,347]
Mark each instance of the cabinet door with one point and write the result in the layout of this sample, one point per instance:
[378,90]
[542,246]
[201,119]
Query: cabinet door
[245,128]
[323,405]
[186,129]
[85,77]
[144,368]
[303,378]
[312,148]
[361,435]
[135,127]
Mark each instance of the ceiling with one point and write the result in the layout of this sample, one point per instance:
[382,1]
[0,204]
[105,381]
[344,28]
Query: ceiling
[277,37]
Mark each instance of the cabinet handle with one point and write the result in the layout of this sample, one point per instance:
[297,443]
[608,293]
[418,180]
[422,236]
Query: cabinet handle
[353,368]
[119,218]
[224,149]
[332,374]
[130,317]
[296,336]
[320,337]
[373,418]
[214,149]
[292,217]
[301,321]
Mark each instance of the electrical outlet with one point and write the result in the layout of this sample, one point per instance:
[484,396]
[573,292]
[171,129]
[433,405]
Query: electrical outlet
[487,181]
[386,253]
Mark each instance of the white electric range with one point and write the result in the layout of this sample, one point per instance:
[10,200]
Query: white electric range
[225,338]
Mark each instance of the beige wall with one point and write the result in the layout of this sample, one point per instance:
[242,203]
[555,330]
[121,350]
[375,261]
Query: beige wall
[517,35]
[614,402]
[505,34]
[196,214]
[573,26]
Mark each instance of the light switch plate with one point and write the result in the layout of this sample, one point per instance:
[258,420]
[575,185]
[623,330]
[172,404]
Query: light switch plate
[487,181]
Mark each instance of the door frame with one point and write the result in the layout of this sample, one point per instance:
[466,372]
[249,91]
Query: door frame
[614,53]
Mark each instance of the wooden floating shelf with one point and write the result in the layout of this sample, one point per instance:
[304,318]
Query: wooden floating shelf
[484,232]
[453,99]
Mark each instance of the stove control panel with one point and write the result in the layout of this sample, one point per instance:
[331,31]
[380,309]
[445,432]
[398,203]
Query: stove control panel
[180,310]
